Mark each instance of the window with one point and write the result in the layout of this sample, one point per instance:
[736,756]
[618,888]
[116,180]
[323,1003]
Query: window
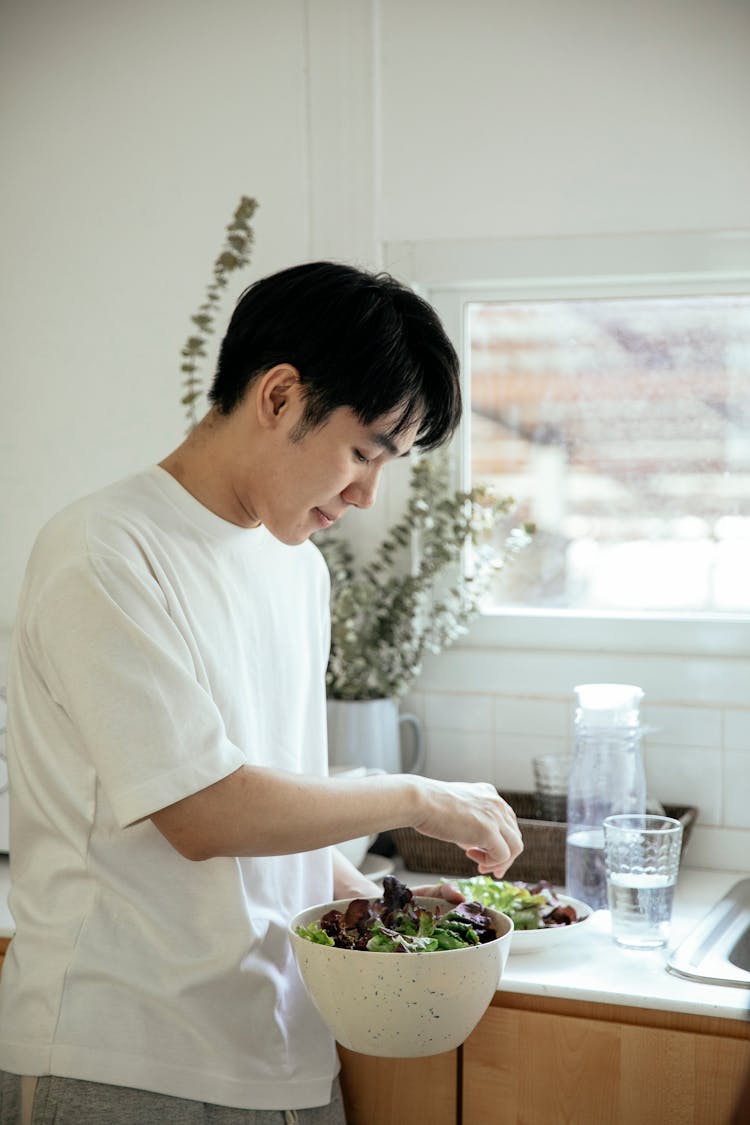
[622,428]
[608,389]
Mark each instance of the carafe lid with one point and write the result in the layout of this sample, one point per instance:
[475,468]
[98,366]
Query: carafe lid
[608,705]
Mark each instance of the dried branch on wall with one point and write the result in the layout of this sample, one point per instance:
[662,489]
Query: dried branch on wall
[234,255]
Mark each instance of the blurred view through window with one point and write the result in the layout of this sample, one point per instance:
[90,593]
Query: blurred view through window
[622,428]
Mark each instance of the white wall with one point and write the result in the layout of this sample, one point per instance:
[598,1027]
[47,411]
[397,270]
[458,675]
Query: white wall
[549,118]
[130,130]
[134,129]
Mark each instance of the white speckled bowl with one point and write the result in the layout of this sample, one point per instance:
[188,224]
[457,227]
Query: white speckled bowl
[400,1005]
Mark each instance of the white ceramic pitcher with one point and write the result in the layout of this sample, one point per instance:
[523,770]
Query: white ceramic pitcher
[367,732]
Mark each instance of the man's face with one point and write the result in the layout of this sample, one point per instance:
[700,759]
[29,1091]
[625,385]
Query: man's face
[308,483]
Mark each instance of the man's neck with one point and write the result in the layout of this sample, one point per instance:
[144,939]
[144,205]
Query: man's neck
[201,465]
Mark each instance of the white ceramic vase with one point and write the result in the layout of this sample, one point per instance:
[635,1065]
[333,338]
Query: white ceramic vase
[368,733]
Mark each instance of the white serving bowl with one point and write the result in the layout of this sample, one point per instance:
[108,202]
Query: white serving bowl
[537,941]
[400,1005]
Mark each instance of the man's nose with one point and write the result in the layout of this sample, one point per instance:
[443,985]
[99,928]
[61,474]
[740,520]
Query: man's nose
[363,492]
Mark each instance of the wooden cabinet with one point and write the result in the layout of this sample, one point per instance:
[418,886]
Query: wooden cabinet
[4,943]
[400,1091]
[545,1060]
[542,1061]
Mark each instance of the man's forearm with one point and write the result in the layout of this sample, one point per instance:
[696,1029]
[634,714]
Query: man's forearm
[258,811]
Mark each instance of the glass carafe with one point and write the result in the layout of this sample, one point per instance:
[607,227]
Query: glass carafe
[606,777]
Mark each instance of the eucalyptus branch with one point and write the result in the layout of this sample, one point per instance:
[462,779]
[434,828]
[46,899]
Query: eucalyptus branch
[384,617]
[234,255]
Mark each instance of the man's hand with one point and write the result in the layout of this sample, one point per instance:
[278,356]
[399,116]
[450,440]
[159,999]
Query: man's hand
[474,816]
[348,880]
[447,891]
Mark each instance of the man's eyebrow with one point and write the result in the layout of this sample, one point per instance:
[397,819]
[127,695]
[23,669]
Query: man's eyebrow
[387,443]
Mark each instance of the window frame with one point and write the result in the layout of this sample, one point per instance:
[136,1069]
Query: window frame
[453,274]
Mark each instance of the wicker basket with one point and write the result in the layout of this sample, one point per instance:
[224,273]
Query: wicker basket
[543,856]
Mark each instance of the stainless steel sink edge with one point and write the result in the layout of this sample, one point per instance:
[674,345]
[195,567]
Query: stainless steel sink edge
[717,950]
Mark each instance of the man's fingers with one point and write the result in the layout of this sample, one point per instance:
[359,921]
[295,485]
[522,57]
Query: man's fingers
[447,891]
[497,860]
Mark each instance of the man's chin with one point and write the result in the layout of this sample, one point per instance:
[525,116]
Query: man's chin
[291,537]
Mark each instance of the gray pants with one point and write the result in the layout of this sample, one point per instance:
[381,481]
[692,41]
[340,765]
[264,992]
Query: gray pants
[69,1101]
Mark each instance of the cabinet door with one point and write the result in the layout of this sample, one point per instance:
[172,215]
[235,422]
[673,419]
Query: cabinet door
[536,1068]
[399,1091]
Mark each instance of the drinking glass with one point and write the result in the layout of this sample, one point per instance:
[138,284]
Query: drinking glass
[551,785]
[642,857]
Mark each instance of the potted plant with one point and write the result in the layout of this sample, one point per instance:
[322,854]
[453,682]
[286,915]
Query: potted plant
[415,596]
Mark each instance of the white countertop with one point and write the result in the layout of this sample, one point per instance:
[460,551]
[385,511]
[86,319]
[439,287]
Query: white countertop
[594,968]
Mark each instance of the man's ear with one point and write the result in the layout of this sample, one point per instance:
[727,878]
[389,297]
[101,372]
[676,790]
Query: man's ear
[278,395]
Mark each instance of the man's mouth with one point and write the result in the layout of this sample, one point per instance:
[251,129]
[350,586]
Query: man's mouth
[323,518]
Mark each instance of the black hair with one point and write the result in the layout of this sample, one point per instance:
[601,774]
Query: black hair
[357,339]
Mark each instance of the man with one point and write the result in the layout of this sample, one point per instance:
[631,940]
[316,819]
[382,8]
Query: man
[167,744]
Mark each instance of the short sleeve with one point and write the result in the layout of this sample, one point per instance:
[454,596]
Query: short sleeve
[115,661]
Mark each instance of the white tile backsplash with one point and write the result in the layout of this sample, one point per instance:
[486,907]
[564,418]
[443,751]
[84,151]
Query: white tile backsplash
[725,848]
[679,681]
[451,711]
[489,710]
[680,775]
[737,729]
[459,755]
[513,756]
[737,790]
[682,726]
[515,715]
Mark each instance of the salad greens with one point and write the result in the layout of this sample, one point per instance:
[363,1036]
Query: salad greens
[530,906]
[396,924]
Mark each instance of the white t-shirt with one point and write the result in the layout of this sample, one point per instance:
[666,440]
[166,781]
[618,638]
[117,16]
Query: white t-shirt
[158,648]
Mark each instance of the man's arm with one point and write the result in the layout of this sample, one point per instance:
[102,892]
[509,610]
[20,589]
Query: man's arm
[256,811]
[349,881]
